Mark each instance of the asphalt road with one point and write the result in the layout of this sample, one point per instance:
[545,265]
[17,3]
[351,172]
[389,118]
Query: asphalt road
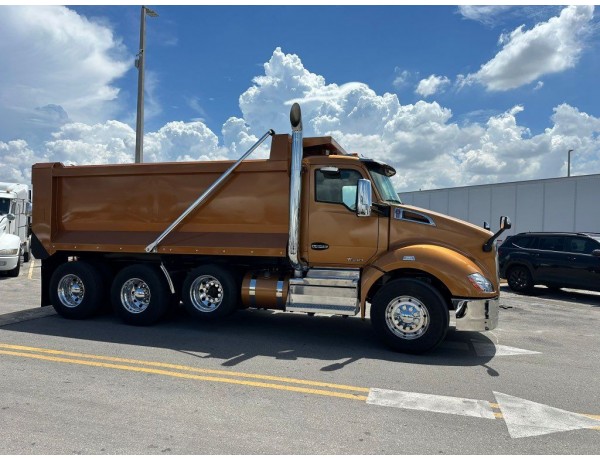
[284,383]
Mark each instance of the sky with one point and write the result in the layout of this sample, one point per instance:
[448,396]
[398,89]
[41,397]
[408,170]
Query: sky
[447,95]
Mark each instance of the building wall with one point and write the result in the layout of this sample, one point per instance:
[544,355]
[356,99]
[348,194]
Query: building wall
[564,204]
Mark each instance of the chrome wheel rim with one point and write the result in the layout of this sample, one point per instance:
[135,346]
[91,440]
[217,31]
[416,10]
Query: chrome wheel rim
[135,295]
[206,293]
[407,317]
[71,291]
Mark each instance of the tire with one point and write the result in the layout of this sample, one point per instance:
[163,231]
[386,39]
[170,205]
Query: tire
[519,279]
[426,318]
[76,290]
[27,252]
[15,271]
[140,295]
[211,292]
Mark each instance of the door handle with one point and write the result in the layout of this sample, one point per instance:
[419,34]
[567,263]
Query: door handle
[319,246]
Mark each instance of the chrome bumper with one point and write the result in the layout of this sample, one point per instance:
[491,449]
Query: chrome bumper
[476,314]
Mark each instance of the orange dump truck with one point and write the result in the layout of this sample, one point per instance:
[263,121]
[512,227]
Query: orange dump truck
[310,229]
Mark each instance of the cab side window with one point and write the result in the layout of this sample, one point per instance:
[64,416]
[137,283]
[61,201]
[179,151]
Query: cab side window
[337,187]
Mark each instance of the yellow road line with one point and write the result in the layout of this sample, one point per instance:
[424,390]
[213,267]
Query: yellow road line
[67,358]
[185,368]
[186,376]
[31,265]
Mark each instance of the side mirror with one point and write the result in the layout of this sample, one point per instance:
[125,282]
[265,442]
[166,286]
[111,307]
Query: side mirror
[504,225]
[28,208]
[596,252]
[364,199]
[11,216]
[486,225]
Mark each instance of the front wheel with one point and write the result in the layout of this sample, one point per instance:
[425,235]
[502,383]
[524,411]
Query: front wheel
[410,316]
[519,279]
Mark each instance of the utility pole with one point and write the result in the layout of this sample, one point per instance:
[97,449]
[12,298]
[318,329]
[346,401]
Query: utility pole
[569,163]
[139,63]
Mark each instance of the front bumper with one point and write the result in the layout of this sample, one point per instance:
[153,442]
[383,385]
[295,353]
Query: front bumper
[476,314]
[8,262]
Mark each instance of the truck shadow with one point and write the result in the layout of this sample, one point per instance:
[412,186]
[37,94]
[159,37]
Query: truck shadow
[337,341]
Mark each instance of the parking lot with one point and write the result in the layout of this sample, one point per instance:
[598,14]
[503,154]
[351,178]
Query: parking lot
[282,383]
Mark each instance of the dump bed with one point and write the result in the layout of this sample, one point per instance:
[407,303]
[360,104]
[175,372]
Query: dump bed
[123,208]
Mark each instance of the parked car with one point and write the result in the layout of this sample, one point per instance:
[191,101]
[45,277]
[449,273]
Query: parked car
[556,260]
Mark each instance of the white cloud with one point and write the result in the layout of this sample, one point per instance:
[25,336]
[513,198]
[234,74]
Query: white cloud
[16,158]
[52,57]
[432,85]
[549,47]
[402,77]
[484,14]
[421,140]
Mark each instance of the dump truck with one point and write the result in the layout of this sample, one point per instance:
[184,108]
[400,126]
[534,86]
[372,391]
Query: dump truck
[15,231]
[309,229]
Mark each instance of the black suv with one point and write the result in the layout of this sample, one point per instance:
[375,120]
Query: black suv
[556,260]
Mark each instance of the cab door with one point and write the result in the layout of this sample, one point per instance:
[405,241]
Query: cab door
[336,236]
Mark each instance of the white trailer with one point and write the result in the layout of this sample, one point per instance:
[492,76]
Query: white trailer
[565,204]
[15,227]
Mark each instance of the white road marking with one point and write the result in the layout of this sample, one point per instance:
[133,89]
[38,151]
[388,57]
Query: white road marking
[430,403]
[490,349]
[527,418]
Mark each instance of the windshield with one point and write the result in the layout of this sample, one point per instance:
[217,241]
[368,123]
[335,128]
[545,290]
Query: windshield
[385,187]
[4,205]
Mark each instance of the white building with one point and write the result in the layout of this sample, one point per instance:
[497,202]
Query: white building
[567,204]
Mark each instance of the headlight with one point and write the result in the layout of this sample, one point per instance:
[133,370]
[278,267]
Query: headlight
[9,252]
[480,282]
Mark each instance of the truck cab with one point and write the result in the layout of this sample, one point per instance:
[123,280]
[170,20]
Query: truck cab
[408,260]
[15,219]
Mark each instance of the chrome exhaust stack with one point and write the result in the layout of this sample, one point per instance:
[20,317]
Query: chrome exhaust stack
[295,190]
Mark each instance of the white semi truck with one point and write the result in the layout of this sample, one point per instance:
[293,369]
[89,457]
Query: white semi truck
[15,227]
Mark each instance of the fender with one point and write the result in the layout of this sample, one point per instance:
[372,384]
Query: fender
[447,265]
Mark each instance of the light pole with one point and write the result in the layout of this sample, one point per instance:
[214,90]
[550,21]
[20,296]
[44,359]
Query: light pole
[139,63]
[569,163]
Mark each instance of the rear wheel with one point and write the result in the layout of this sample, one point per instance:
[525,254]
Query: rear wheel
[410,316]
[76,290]
[140,295]
[519,279]
[211,292]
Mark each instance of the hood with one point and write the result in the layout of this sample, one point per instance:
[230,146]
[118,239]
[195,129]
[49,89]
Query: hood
[411,225]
